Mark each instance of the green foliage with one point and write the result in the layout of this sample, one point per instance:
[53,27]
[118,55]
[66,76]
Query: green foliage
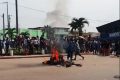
[25,34]
[78,24]
[11,32]
[1,34]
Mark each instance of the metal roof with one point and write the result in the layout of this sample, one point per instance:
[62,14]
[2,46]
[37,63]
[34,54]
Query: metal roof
[110,27]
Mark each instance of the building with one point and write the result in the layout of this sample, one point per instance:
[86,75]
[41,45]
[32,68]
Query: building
[32,32]
[61,32]
[110,31]
[58,31]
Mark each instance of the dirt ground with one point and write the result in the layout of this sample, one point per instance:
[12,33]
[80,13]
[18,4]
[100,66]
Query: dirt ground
[93,68]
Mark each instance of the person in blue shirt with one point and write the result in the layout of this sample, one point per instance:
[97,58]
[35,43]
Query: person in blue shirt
[70,49]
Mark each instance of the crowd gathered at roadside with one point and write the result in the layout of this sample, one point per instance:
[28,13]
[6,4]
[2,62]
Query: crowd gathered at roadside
[71,45]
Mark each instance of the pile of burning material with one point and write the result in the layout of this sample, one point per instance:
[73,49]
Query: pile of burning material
[57,59]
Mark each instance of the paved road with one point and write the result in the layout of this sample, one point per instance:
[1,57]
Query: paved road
[94,68]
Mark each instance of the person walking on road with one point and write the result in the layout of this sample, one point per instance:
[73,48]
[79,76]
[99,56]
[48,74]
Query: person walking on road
[77,50]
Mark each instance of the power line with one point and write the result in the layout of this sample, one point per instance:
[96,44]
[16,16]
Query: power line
[41,11]
[1,2]
[29,8]
[98,20]
[71,17]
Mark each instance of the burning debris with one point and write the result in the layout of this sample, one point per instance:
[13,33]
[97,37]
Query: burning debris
[57,59]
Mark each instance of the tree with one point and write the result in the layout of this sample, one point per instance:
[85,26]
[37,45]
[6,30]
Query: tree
[1,36]
[11,32]
[25,34]
[49,30]
[78,24]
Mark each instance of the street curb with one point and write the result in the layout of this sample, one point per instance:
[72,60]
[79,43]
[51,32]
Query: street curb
[27,56]
[18,57]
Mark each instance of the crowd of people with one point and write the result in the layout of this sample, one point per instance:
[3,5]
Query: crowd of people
[71,45]
[77,46]
[26,44]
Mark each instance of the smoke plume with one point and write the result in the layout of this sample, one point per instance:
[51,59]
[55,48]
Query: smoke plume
[57,17]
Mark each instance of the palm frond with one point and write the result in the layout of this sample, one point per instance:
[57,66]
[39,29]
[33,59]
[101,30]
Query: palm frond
[13,28]
[86,22]
[25,33]
[71,30]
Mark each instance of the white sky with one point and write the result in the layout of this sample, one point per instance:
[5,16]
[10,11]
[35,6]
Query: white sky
[97,12]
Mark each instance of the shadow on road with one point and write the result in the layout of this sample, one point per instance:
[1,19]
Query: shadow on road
[21,66]
[32,65]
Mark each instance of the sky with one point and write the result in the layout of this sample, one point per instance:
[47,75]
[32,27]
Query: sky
[37,13]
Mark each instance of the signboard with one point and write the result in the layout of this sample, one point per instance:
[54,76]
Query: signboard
[110,36]
[116,34]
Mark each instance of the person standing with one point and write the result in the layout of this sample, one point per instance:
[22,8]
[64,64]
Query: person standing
[25,44]
[70,49]
[0,47]
[7,43]
[117,47]
[77,50]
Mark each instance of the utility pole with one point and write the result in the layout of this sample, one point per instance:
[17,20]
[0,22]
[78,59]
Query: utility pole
[7,15]
[17,27]
[9,18]
[3,26]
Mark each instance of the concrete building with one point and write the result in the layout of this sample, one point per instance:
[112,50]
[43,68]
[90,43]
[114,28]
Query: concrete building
[61,32]
[58,31]
[32,32]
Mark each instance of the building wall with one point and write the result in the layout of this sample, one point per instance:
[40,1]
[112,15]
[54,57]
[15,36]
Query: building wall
[33,33]
[61,31]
